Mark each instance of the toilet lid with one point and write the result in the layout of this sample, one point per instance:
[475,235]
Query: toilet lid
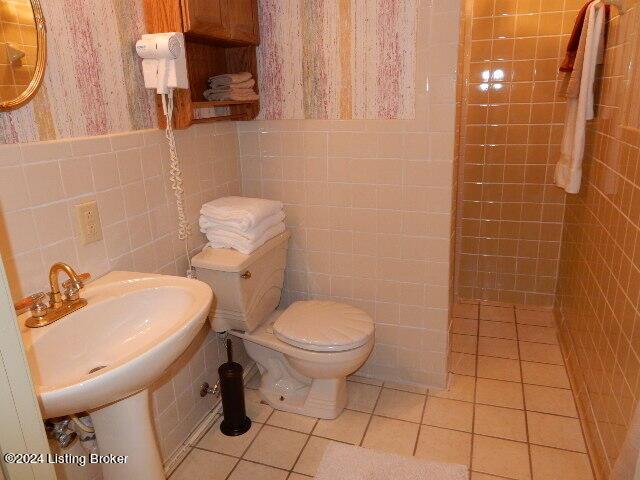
[323,326]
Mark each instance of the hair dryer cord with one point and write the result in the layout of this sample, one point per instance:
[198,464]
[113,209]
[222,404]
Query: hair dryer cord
[175,177]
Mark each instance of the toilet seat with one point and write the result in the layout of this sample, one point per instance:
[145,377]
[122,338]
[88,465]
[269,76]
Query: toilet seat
[323,326]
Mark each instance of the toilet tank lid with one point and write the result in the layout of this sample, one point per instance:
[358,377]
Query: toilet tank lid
[229,260]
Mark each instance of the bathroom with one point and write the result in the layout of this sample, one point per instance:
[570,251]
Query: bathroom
[413,146]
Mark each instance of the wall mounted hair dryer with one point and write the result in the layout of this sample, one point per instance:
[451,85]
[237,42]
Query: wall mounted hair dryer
[164,61]
[164,65]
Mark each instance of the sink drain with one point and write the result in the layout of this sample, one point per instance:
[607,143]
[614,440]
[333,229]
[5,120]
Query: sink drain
[93,370]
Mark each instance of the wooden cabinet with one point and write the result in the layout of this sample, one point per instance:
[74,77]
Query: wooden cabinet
[221,37]
[233,21]
[243,21]
[206,18]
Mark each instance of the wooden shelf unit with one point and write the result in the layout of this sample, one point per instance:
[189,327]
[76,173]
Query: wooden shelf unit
[206,56]
[222,104]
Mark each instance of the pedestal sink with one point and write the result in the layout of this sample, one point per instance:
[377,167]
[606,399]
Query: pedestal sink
[102,358]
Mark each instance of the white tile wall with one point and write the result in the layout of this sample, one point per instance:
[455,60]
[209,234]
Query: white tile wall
[369,206]
[127,175]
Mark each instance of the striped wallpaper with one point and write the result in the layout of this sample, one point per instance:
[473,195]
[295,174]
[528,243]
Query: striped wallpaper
[319,59]
[93,83]
[337,59]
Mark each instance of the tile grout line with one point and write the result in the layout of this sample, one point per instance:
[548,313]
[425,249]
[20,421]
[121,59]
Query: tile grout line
[244,460]
[498,406]
[192,446]
[575,405]
[524,399]
[475,390]
[181,462]
[295,462]
[508,358]
[424,407]
[511,381]
[240,458]
[375,405]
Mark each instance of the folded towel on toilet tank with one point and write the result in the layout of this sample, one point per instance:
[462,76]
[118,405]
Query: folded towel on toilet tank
[243,213]
[241,223]
[224,239]
[208,225]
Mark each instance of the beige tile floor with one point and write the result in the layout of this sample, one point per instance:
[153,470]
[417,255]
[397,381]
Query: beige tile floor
[508,414]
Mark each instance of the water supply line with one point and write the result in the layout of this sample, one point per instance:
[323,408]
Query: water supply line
[81,425]
[61,432]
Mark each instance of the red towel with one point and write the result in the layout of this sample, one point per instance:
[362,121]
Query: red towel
[574,40]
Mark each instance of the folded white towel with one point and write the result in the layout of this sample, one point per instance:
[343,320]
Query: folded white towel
[233,86]
[229,78]
[209,225]
[242,213]
[242,95]
[223,239]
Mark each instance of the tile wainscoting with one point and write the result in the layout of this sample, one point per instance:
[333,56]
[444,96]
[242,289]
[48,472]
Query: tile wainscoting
[127,174]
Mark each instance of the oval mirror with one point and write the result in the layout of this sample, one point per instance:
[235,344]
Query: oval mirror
[23,51]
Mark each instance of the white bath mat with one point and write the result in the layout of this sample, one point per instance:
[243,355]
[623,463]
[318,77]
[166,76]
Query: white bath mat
[346,462]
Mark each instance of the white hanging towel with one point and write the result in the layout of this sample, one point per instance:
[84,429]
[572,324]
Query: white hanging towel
[580,108]
[241,213]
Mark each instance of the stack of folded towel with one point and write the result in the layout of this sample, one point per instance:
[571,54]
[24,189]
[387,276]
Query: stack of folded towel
[231,86]
[241,223]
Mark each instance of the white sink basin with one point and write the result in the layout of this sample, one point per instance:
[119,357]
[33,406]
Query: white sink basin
[133,328]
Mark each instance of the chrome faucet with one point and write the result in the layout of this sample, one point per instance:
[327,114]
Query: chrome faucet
[43,314]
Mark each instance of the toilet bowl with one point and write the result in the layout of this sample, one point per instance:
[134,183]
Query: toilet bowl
[304,352]
[300,380]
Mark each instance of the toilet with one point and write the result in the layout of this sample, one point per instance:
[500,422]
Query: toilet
[304,352]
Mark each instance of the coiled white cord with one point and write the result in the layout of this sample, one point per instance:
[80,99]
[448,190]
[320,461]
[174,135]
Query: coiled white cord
[175,177]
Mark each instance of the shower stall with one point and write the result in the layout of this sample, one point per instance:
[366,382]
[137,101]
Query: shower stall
[520,240]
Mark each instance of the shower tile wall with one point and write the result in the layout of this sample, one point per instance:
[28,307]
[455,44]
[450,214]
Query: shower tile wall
[599,285]
[511,215]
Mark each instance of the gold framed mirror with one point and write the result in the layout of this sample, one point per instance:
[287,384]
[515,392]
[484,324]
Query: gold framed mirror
[23,51]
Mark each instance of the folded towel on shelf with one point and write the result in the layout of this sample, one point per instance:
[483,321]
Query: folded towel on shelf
[229,78]
[253,234]
[242,95]
[225,239]
[242,213]
[234,86]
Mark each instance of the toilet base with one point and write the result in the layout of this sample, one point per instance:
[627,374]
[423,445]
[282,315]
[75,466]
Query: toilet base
[285,388]
[324,398]
[302,381]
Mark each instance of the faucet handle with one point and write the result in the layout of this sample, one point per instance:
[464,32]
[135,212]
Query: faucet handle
[83,277]
[72,287]
[36,303]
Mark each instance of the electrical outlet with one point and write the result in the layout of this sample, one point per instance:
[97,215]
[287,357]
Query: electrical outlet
[89,222]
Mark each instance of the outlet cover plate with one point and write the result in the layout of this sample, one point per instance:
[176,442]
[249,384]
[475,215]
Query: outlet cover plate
[88,217]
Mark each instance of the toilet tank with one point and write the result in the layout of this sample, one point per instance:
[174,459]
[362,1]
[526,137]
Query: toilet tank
[246,288]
